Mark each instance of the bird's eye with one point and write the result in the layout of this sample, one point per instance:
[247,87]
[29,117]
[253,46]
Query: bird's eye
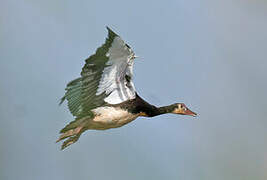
[184,108]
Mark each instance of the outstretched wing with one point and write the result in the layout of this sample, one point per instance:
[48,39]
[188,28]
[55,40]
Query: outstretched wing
[105,78]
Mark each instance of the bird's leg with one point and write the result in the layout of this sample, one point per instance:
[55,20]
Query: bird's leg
[69,133]
[70,140]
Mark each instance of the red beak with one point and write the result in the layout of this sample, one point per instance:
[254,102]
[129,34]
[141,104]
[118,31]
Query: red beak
[190,113]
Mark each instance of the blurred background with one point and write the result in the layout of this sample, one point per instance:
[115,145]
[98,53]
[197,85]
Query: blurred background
[209,54]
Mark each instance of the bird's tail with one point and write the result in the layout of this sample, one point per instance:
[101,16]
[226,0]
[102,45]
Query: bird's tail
[72,131]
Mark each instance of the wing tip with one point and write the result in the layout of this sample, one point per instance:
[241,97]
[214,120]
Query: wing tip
[108,28]
[110,32]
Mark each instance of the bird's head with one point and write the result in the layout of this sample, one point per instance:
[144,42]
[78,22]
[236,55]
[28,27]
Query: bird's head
[180,108]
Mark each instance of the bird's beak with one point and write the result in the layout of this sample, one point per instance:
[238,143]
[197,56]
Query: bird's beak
[190,113]
[136,56]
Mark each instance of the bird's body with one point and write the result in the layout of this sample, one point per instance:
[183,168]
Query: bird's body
[110,117]
[104,96]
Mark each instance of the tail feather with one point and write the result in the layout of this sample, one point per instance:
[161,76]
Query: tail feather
[72,131]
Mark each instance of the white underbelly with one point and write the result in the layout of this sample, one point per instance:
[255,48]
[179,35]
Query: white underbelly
[110,117]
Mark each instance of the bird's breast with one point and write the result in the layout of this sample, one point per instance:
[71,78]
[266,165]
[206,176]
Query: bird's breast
[111,117]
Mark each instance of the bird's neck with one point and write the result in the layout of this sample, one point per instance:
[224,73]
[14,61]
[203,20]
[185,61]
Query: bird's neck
[155,111]
[150,110]
[165,109]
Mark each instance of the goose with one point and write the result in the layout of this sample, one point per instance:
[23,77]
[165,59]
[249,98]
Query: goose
[104,96]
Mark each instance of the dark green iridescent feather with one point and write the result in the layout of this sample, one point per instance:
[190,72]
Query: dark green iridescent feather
[81,92]
[93,69]
[73,96]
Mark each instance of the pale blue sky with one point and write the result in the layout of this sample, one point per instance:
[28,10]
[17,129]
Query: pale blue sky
[209,54]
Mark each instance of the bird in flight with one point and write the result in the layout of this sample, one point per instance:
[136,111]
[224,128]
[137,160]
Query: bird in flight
[104,96]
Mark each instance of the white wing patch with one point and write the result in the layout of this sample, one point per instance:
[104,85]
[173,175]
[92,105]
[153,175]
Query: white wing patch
[113,80]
